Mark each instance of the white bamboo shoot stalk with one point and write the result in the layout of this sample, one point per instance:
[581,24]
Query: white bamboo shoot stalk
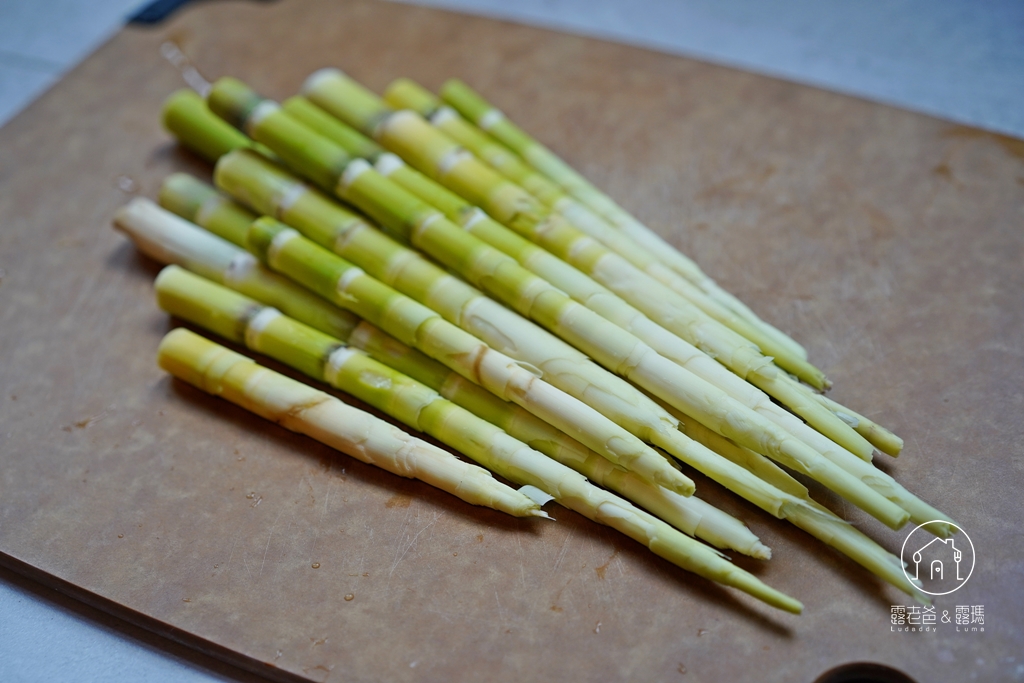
[300,408]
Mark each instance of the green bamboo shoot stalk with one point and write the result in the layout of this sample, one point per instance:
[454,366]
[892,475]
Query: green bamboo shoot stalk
[337,280]
[265,330]
[222,216]
[346,99]
[184,109]
[882,483]
[314,117]
[882,439]
[474,108]
[186,116]
[404,93]
[300,408]
[611,346]
[755,463]
[812,517]
[425,147]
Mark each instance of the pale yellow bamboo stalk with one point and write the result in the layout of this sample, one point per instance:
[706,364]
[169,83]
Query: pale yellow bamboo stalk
[645,366]
[300,408]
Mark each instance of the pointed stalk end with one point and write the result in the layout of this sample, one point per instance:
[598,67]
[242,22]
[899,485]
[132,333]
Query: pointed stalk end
[750,584]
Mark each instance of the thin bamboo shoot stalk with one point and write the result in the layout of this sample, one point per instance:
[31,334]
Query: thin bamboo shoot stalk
[474,108]
[882,439]
[348,100]
[223,217]
[611,346]
[920,511]
[404,93]
[300,408]
[187,117]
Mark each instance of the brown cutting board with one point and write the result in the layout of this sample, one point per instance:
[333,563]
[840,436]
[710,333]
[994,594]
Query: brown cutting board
[889,243]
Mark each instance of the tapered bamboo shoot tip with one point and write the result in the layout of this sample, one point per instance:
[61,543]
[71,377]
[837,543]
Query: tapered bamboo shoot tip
[750,584]
[760,551]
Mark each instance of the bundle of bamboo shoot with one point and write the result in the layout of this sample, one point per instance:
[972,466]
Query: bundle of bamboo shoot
[429,257]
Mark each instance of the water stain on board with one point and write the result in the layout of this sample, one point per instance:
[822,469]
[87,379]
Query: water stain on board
[943,171]
[604,567]
[398,501]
